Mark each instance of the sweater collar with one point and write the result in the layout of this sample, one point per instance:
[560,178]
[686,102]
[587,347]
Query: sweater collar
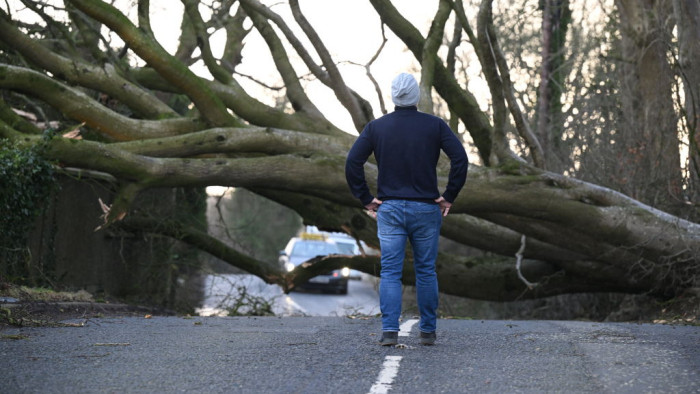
[409,108]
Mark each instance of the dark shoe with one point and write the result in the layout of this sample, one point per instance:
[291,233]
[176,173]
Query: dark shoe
[389,338]
[427,338]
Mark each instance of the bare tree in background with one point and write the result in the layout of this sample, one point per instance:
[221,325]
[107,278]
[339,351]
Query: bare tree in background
[687,15]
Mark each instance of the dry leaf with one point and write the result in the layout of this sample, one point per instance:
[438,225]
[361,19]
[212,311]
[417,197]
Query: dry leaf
[106,209]
[25,114]
[75,133]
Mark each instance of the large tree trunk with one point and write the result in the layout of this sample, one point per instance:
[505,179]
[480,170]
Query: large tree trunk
[556,16]
[649,169]
[597,227]
[572,236]
[687,14]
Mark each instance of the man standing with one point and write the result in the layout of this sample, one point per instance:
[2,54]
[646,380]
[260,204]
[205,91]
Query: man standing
[408,206]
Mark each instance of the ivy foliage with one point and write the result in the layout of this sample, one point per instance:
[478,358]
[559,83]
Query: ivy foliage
[26,182]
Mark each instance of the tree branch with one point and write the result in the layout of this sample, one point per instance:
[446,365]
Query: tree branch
[77,105]
[521,123]
[103,79]
[235,33]
[246,140]
[270,273]
[518,264]
[377,89]
[210,106]
[451,61]
[344,95]
[254,6]
[500,147]
[429,55]
[16,122]
[220,73]
[548,207]
[187,42]
[144,15]
[295,92]
[356,105]
[122,203]
[246,106]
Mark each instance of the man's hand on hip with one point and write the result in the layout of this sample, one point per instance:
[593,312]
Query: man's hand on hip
[444,205]
[373,206]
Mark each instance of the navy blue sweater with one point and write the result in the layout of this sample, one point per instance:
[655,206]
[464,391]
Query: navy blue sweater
[406,144]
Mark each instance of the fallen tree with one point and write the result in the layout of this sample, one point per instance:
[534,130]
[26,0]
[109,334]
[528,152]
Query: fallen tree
[545,233]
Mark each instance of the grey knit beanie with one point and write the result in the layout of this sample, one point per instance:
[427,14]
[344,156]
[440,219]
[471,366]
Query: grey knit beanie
[404,90]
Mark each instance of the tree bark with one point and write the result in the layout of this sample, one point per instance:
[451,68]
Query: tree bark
[170,68]
[649,169]
[596,224]
[687,14]
[578,236]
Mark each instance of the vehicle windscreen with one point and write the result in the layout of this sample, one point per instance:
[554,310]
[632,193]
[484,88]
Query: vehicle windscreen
[313,248]
[346,247]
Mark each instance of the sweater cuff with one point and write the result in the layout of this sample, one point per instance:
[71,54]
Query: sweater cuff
[450,197]
[366,199]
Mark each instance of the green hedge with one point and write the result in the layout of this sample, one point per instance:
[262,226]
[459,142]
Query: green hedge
[26,182]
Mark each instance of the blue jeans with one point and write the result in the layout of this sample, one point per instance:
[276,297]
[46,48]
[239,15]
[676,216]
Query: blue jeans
[419,223]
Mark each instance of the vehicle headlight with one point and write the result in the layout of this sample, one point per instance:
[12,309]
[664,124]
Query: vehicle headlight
[345,272]
[289,266]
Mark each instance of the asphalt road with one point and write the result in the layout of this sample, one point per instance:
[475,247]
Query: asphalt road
[340,355]
[221,291]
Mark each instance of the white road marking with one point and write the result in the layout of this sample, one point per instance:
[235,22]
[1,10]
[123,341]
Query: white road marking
[386,377]
[405,328]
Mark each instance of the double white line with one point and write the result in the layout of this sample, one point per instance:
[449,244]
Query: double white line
[390,368]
